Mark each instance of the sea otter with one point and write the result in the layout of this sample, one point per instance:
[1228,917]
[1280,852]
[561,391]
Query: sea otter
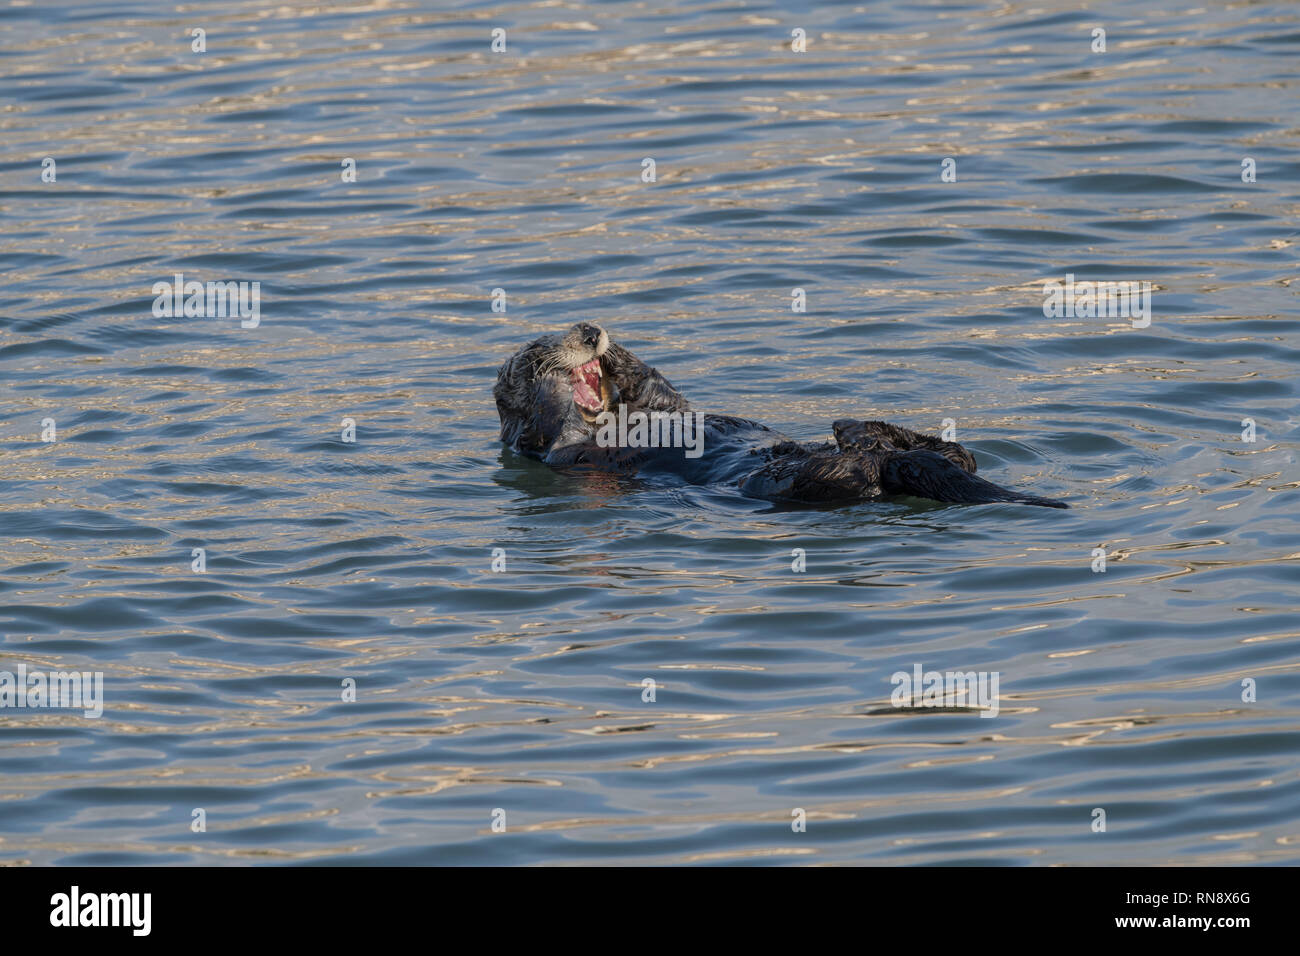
[553,396]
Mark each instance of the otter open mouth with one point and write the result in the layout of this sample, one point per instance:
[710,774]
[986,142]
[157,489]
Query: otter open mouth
[586,386]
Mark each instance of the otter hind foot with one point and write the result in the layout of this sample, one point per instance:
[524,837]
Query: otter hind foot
[800,473]
[877,437]
[927,474]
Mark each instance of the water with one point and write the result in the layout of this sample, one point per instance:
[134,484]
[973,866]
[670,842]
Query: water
[522,691]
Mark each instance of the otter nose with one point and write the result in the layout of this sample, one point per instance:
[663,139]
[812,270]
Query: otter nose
[590,334]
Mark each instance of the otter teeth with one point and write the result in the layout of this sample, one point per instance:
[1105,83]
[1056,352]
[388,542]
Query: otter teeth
[586,385]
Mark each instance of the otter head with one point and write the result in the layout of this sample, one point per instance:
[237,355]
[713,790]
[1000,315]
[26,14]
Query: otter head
[580,353]
[551,391]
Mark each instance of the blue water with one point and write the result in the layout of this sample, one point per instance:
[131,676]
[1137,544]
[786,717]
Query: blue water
[521,691]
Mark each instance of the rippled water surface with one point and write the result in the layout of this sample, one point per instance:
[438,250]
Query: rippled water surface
[522,691]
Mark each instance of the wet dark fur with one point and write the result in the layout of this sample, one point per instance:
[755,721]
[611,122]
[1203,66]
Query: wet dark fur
[867,459]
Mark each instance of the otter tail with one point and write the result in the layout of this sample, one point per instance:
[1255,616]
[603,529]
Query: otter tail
[928,474]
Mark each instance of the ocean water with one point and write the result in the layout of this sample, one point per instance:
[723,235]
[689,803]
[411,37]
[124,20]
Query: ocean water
[502,717]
